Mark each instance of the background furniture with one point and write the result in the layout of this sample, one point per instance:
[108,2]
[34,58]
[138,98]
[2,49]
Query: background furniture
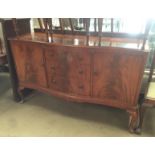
[149,98]
[8,31]
[150,95]
[3,59]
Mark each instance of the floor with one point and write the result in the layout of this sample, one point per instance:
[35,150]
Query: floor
[43,115]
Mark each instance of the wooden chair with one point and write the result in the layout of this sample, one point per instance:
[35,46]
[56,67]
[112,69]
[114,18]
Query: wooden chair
[46,26]
[41,25]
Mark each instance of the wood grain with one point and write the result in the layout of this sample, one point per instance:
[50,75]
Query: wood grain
[29,63]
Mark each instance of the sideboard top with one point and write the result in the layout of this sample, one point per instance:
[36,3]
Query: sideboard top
[79,40]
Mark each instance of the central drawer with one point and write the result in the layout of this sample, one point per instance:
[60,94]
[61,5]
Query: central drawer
[68,70]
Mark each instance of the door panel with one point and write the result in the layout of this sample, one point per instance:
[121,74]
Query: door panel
[117,75]
[30,63]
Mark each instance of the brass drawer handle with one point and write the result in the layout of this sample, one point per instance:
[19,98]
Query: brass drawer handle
[81,86]
[81,71]
[80,58]
[28,66]
[42,62]
[52,54]
[52,67]
[53,81]
[95,72]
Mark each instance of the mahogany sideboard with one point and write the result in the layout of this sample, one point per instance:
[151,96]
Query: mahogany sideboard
[70,69]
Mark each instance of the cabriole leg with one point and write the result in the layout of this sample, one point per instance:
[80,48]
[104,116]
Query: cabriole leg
[21,95]
[134,121]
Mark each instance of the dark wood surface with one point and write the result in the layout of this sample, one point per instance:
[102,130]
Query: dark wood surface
[74,70]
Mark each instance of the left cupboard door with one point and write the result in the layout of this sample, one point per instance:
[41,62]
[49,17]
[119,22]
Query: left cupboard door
[29,60]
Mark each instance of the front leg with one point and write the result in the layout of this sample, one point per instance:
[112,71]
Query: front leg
[20,89]
[134,120]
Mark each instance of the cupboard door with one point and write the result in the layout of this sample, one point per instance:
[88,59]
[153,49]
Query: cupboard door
[68,70]
[30,63]
[117,75]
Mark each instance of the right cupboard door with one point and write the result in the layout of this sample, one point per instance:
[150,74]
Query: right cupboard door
[117,75]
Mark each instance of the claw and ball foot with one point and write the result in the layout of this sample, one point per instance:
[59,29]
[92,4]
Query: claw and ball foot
[134,121]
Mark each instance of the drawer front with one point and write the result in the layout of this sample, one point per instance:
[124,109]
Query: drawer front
[69,69]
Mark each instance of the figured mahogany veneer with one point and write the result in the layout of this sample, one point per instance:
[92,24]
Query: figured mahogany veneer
[102,75]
